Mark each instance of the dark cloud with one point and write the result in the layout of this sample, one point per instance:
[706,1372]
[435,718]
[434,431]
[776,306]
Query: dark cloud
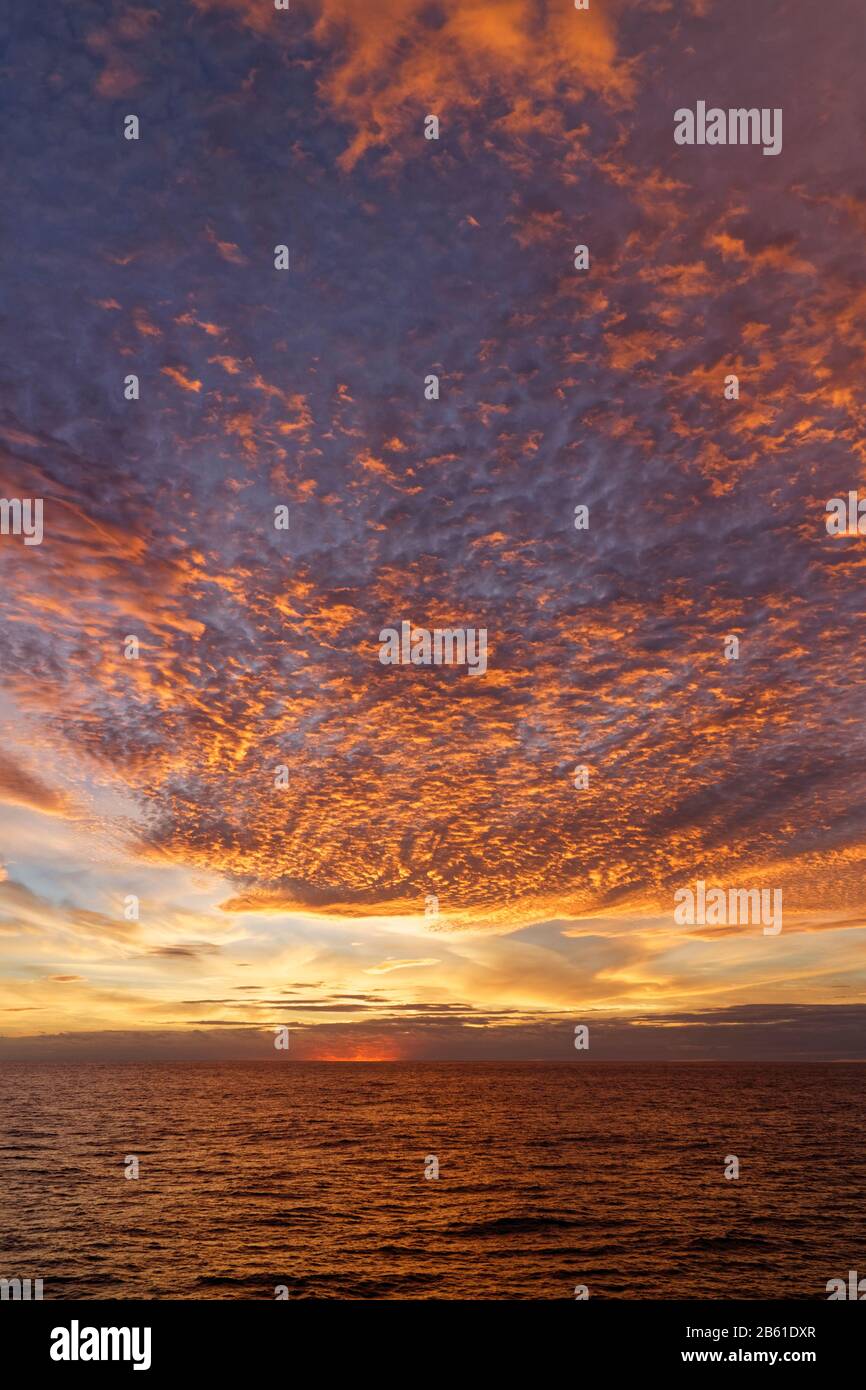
[789,1033]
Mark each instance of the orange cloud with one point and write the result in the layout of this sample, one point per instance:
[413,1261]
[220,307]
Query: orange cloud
[389,68]
[187,383]
[23,788]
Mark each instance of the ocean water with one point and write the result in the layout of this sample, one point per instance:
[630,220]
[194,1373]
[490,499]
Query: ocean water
[312,1176]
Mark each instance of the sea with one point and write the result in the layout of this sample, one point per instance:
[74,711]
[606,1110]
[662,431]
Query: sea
[428,1180]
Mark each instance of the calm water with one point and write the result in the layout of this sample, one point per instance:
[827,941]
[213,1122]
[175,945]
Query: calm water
[312,1176]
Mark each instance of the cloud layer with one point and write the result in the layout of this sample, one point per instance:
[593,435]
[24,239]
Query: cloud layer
[558,388]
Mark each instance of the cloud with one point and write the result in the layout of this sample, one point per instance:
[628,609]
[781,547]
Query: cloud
[402,59]
[22,788]
[181,379]
[558,388]
[387,966]
[760,1034]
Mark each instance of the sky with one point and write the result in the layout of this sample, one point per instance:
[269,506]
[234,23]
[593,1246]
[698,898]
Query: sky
[308,904]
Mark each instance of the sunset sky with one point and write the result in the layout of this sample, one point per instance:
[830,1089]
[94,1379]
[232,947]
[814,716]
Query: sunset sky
[304,905]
